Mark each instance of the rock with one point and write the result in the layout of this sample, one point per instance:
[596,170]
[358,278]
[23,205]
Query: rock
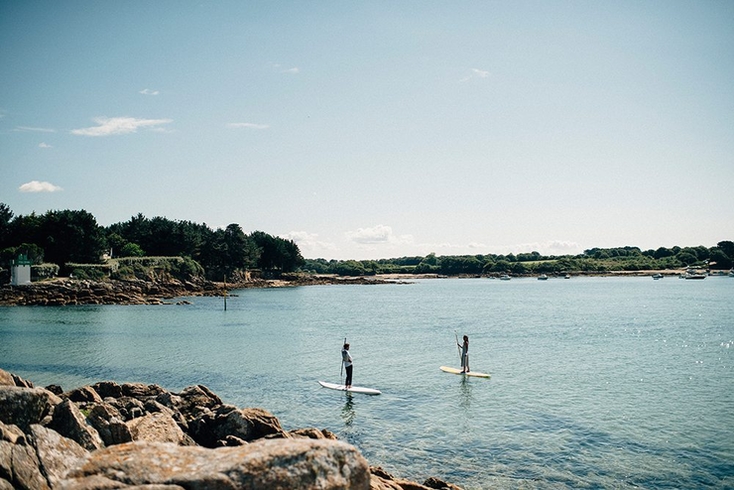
[56,454]
[311,433]
[128,408]
[9,379]
[11,434]
[26,473]
[437,484]
[248,424]
[108,389]
[25,406]
[156,427]
[140,390]
[194,400]
[110,425]
[55,389]
[230,441]
[21,382]
[377,483]
[85,394]
[69,422]
[6,379]
[267,464]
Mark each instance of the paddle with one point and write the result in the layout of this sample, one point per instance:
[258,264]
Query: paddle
[457,346]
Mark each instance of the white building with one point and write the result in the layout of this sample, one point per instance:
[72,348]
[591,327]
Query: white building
[20,271]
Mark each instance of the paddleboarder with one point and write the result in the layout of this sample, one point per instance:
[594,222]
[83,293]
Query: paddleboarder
[464,355]
[347,361]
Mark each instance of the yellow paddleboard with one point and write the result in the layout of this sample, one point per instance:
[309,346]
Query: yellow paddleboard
[451,370]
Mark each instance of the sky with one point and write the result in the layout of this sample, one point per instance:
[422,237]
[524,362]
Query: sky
[378,129]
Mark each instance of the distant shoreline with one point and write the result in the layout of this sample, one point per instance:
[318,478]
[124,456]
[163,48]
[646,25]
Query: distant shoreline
[67,292]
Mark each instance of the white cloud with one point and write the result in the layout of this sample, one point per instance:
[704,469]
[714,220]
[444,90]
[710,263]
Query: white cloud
[45,145]
[120,125]
[550,247]
[248,125]
[147,91]
[37,130]
[309,243]
[380,234]
[475,73]
[277,66]
[36,186]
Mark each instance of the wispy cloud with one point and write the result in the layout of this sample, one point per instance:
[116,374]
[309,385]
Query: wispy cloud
[380,234]
[45,145]
[36,130]
[279,68]
[310,243]
[36,186]
[120,125]
[148,91]
[248,125]
[475,73]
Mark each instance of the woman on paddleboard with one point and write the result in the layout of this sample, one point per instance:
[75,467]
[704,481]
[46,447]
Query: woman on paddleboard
[464,355]
[347,360]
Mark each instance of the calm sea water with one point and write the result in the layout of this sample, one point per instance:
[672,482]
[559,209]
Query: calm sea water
[596,382]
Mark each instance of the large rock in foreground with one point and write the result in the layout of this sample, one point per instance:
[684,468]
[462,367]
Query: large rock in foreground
[139,436]
[266,464]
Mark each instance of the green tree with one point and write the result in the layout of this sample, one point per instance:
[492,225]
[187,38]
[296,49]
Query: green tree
[720,260]
[727,247]
[131,250]
[72,236]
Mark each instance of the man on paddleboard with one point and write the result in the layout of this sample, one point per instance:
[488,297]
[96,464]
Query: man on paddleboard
[347,360]
[464,355]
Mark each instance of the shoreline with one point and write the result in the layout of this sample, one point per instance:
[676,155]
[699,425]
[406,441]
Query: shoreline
[67,291]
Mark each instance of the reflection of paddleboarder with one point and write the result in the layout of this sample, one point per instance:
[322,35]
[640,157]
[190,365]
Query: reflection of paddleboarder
[347,361]
[464,355]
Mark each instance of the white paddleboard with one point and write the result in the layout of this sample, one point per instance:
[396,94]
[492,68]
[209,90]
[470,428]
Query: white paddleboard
[353,389]
[451,370]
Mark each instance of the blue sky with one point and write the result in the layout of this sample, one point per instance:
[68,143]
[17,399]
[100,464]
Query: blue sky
[378,129]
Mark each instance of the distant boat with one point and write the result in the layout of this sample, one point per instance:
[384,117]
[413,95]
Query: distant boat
[504,277]
[693,275]
[657,276]
[542,277]
[567,276]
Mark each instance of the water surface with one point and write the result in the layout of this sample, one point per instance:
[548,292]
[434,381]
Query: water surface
[596,382]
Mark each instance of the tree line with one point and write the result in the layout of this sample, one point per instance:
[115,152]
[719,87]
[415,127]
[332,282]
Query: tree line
[720,257]
[74,237]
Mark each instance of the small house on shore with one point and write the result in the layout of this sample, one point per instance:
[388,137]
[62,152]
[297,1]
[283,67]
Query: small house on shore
[20,271]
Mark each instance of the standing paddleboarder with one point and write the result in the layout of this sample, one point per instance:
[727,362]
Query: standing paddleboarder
[464,355]
[347,362]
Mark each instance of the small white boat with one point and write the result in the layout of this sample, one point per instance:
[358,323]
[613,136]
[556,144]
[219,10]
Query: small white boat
[657,276]
[542,277]
[504,277]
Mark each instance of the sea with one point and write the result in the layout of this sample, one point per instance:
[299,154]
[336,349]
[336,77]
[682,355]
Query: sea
[596,382]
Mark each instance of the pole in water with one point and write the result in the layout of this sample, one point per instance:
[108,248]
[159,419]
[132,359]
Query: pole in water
[225,292]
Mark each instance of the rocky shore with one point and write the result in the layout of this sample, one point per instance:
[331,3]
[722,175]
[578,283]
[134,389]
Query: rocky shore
[133,435]
[66,291]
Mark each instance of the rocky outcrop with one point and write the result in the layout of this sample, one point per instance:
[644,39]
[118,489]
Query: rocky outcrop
[141,436]
[61,292]
[65,291]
